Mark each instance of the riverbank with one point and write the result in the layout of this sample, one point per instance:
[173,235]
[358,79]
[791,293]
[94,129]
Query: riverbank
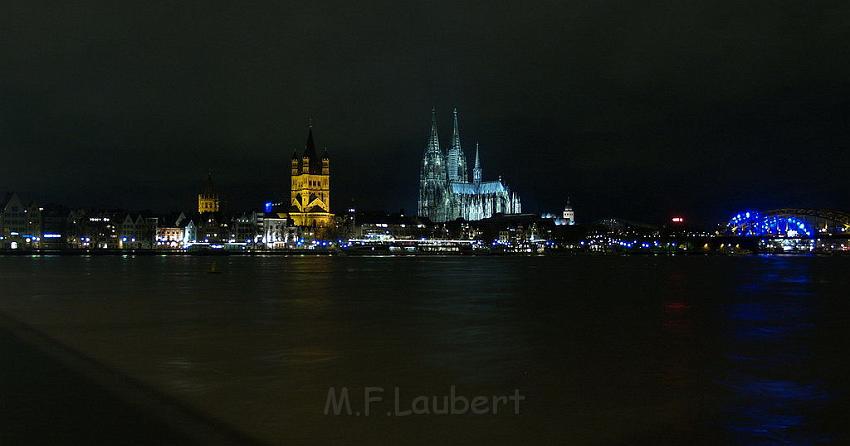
[54,395]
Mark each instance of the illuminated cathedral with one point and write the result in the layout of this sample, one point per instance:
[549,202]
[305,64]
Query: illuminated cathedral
[445,190]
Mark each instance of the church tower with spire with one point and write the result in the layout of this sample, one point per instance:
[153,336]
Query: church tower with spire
[310,204]
[433,177]
[455,159]
[208,201]
[476,171]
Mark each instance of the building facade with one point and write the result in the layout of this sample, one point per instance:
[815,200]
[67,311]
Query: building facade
[310,203]
[137,233]
[20,223]
[569,214]
[445,190]
[276,233]
[566,218]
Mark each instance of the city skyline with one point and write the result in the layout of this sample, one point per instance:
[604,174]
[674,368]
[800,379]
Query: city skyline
[424,222]
[229,191]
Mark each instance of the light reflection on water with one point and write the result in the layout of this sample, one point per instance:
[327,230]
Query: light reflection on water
[613,350]
[777,396]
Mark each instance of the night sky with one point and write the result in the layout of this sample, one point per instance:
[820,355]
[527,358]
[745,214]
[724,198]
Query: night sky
[635,109]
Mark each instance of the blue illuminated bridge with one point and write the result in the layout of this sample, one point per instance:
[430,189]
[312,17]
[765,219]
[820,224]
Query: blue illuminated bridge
[790,223]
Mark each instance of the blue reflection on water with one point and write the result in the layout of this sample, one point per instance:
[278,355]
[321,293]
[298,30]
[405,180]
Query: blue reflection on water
[775,396]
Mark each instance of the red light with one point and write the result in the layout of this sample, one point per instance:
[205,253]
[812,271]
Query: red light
[678,220]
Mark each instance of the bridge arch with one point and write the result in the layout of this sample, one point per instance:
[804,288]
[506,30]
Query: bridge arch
[769,224]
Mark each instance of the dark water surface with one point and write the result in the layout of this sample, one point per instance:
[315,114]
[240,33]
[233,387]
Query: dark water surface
[606,350]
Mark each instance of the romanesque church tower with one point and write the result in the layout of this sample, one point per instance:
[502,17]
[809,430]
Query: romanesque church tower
[310,204]
[208,200]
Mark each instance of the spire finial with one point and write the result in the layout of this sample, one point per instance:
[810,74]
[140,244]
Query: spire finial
[209,189]
[434,139]
[310,147]
[455,131]
[476,171]
[310,122]
[310,152]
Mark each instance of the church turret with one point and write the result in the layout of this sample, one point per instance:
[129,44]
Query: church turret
[305,164]
[476,171]
[326,162]
[295,170]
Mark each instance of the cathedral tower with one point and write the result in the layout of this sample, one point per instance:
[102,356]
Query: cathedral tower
[208,201]
[456,159]
[432,177]
[310,187]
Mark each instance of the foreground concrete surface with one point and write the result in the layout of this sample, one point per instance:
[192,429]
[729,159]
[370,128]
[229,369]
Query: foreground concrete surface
[50,396]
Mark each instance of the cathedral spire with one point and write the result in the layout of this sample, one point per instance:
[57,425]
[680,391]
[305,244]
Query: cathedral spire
[455,131]
[476,171]
[310,147]
[455,159]
[310,151]
[434,139]
[209,189]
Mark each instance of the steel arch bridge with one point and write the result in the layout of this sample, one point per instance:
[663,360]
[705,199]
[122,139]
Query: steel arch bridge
[756,224]
[830,215]
[789,223]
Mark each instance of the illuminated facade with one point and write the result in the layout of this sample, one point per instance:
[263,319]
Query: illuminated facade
[276,233]
[569,214]
[169,237]
[567,218]
[310,203]
[20,223]
[137,233]
[445,190]
[208,201]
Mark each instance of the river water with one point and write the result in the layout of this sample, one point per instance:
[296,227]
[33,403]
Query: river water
[604,350]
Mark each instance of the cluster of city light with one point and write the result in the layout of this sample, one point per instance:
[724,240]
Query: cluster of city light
[753,224]
[602,241]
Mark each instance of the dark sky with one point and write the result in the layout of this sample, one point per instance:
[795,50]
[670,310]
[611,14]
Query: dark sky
[635,109]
